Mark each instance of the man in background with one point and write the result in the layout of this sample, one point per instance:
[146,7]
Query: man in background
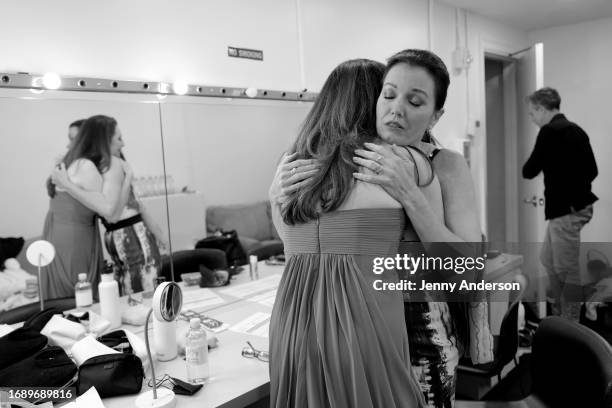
[563,153]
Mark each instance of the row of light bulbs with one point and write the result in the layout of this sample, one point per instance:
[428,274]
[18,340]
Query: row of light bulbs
[53,81]
[37,83]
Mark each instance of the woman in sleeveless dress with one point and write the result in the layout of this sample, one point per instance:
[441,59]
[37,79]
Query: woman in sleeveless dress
[410,104]
[336,341]
[90,180]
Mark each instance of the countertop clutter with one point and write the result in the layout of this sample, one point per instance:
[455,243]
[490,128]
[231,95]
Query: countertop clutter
[236,317]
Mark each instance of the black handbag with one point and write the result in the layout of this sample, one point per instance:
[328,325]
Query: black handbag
[228,242]
[49,368]
[20,344]
[112,374]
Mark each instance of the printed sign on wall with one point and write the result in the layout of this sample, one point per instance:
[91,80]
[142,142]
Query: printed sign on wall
[245,53]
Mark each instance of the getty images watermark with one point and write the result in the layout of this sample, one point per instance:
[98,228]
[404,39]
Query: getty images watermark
[445,274]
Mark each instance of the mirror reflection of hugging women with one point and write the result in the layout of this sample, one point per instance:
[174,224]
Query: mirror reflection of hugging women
[440,207]
[90,179]
[133,237]
[132,245]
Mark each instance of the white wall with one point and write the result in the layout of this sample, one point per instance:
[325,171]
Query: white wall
[578,63]
[335,31]
[154,40]
[302,41]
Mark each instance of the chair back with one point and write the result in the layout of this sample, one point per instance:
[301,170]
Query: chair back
[508,342]
[571,365]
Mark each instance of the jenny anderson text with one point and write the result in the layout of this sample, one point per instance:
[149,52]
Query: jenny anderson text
[463,285]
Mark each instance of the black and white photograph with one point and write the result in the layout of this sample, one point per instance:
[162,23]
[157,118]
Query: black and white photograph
[306,204]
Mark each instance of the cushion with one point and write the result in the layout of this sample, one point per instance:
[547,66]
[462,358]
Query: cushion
[249,220]
[249,244]
[267,249]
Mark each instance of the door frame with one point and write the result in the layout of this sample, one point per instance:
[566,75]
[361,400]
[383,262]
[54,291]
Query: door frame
[500,52]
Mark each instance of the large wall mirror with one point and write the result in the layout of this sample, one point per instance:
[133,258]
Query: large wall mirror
[214,156]
[223,153]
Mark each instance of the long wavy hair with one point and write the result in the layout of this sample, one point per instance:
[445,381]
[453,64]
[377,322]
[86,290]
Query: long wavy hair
[342,118]
[93,142]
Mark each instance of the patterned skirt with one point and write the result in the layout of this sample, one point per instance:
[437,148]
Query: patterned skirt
[134,250]
[434,350]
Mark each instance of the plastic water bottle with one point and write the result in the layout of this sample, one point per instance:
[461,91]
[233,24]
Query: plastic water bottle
[83,294]
[110,309]
[196,353]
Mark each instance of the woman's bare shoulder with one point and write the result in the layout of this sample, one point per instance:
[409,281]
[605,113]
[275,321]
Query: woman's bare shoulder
[450,165]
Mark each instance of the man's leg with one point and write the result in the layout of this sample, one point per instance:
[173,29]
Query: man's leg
[565,238]
[553,294]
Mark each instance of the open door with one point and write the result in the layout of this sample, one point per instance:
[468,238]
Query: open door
[531,222]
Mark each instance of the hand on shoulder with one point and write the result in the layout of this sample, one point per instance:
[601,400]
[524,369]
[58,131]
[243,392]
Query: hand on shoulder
[115,169]
[127,169]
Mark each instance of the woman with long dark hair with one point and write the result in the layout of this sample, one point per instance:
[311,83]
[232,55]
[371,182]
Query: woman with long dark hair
[90,180]
[335,341]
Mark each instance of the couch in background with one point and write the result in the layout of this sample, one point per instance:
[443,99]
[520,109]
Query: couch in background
[253,222]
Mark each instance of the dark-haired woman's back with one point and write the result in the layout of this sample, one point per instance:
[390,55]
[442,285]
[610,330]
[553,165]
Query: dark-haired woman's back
[73,229]
[336,341]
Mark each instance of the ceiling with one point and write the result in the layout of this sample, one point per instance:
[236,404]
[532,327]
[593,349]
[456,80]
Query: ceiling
[530,15]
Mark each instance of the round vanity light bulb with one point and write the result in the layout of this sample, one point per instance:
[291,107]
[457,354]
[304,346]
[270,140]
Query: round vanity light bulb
[180,87]
[251,92]
[51,80]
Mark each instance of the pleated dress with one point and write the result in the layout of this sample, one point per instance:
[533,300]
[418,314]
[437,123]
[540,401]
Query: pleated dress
[73,230]
[335,341]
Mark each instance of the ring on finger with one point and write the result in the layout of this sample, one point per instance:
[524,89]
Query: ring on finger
[293,170]
[379,169]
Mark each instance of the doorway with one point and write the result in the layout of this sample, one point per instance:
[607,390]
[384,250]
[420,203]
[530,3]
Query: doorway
[502,166]
[515,217]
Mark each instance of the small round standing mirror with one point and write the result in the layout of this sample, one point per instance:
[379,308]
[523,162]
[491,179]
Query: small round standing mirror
[40,253]
[167,301]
